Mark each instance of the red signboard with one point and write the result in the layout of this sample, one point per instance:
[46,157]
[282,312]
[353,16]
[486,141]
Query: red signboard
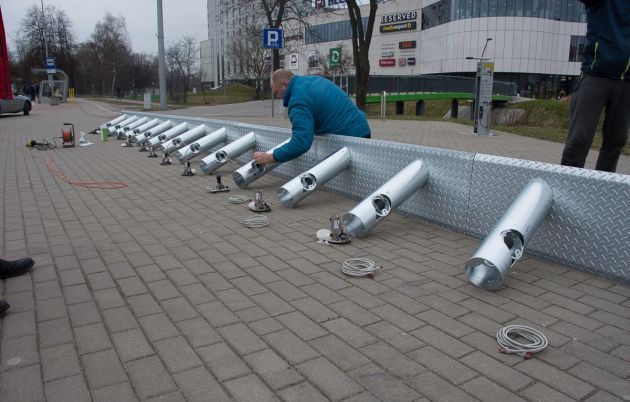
[409,44]
[387,62]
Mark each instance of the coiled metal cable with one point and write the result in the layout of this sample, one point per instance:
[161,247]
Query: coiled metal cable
[256,221]
[538,341]
[238,199]
[359,267]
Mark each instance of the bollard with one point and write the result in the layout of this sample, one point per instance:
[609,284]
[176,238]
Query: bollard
[420,108]
[303,185]
[454,109]
[232,150]
[187,153]
[400,107]
[181,140]
[168,134]
[159,129]
[251,171]
[491,263]
[369,212]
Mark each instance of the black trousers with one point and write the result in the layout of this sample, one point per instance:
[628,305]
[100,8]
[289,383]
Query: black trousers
[592,95]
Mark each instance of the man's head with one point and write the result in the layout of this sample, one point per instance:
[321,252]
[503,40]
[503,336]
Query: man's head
[280,81]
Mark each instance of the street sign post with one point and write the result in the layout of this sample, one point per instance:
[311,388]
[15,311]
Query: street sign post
[51,65]
[272,39]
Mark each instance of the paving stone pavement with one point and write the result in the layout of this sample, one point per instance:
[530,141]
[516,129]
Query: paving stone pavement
[158,292]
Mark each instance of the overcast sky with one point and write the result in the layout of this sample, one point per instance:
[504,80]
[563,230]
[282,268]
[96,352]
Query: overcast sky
[181,17]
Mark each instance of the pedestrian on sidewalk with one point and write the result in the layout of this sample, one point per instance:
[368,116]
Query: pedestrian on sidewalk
[316,106]
[603,84]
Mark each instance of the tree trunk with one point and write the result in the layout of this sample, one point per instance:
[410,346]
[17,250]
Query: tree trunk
[363,76]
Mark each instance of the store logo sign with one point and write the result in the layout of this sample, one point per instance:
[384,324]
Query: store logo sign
[387,62]
[401,26]
[409,44]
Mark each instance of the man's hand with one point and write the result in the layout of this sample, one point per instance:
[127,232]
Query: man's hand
[263,158]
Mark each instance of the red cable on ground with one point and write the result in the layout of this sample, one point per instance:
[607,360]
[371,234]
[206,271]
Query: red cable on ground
[98,184]
[105,185]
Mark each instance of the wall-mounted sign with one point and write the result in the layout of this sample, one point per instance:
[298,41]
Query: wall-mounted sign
[329,3]
[402,61]
[397,17]
[387,62]
[387,55]
[296,37]
[294,61]
[411,61]
[408,44]
[401,26]
[313,58]
[334,57]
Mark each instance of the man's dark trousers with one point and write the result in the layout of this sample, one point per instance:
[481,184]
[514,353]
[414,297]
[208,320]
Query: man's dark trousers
[591,96]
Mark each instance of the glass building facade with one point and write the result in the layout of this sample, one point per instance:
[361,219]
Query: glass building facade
[576,51]
[445,11]
[330,32]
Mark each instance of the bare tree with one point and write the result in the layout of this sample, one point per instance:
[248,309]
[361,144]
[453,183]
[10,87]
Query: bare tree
[52,24]
[361,39]
[182,58]
[112,48]
[251,58]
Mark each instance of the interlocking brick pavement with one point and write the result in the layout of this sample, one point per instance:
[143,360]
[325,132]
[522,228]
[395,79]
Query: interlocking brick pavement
[158,292]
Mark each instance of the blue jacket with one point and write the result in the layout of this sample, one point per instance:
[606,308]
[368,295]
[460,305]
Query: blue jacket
[607,51]
[317,106]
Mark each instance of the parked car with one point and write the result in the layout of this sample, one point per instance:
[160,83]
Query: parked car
[18,104]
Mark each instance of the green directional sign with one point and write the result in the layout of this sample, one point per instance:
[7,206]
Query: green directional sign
[335,57]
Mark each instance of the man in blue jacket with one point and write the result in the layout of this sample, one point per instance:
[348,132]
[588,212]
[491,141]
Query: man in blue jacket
[603,84]
[316,106]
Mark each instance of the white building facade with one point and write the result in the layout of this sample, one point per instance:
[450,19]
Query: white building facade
[535,43]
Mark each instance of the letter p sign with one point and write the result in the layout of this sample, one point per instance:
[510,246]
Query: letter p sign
[272,38]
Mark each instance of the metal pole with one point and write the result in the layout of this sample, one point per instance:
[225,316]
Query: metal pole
[270,76]
[51,84]
[160,22]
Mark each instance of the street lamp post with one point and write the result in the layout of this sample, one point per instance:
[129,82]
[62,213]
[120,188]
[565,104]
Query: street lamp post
[162,62]
[51,84]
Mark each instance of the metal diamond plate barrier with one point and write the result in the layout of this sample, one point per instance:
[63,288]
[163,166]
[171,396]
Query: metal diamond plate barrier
[588,227]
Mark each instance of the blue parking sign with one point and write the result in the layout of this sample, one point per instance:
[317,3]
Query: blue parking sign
[272,38]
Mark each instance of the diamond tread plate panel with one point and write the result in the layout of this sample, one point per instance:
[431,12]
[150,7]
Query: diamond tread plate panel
[587,228]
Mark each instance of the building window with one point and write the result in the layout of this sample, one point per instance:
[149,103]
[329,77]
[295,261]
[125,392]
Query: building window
[576,51]
[330,32]
[444,11]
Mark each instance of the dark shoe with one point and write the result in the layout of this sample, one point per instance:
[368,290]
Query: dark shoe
[15,268]
[4,306]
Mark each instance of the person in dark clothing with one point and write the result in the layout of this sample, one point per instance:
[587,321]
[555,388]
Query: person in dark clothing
[316,106]
[31,92]
[603,84]
[13,268]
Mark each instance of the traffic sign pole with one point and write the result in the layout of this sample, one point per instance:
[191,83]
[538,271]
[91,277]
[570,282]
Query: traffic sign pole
[272,39]
[272,95]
